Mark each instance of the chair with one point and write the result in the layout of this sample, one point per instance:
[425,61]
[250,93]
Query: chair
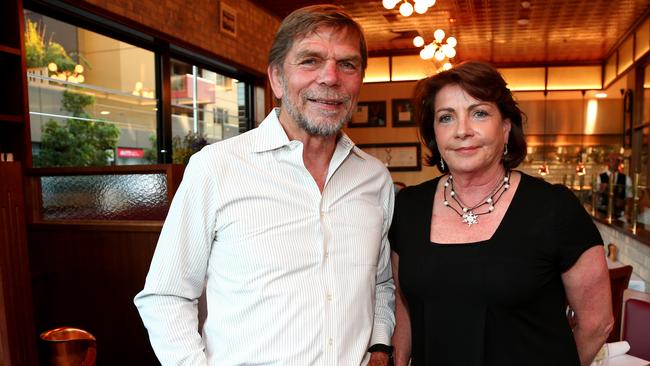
[635,323]
[619,278]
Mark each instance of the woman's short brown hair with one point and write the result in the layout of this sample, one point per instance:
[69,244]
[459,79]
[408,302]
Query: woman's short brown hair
[483,82]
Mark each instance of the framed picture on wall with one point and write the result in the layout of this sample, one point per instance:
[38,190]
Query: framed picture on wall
[227,20]
[400,156]
[369,114]
[403,113]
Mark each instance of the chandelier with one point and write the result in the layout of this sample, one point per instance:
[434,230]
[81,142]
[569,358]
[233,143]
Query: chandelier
[406,9]
[440,48]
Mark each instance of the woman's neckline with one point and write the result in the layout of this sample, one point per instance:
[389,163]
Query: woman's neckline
[475,243]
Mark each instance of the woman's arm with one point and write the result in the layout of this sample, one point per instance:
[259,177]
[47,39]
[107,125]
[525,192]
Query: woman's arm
[402,334]
[588,291]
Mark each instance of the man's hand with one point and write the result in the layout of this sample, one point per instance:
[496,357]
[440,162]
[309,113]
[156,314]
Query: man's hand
[379,359]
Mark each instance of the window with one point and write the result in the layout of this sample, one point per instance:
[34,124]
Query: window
[92,98]
[206,107]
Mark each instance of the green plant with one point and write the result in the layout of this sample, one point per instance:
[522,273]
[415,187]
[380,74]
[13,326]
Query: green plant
[78,141]
[184,148]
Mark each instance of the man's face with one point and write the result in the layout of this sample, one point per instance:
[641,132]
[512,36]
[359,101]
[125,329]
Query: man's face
[320,80]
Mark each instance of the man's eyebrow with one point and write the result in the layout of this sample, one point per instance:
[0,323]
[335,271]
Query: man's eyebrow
[309,53]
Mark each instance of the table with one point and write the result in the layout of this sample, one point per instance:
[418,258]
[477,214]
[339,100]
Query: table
[626,360]
[636,283]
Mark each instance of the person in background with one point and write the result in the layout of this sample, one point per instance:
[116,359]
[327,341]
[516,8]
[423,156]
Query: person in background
[285,226]
[622,186]
[485,258]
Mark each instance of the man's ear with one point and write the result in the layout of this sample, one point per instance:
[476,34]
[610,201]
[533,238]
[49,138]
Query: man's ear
[275,79]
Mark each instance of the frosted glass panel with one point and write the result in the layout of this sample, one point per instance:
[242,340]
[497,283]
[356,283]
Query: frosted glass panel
[610,69]
[378,70]
[574,77]
[626,55]
[525,78]
[642,40]
[105,197]
[411,68]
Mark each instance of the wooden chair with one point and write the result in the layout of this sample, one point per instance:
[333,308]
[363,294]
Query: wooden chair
[635,323]
[619,278]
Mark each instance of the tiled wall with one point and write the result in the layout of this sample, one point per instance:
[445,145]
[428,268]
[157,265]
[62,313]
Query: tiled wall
[630,251]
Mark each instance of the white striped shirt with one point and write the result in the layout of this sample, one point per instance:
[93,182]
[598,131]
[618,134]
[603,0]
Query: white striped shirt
[292,276]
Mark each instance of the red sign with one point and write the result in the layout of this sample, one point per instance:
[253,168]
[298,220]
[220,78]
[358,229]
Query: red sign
[130,153]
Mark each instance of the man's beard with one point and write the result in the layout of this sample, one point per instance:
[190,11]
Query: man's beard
[314,128]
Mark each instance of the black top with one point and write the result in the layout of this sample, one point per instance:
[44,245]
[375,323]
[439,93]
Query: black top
[499,301]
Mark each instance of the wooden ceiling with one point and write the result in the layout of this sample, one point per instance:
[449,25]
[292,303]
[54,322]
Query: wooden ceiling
[558,31]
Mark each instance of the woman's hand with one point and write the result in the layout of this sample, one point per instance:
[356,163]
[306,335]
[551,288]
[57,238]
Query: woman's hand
[589,295]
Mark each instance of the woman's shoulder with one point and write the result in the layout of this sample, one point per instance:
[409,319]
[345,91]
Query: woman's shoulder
[545,191]
[418,191]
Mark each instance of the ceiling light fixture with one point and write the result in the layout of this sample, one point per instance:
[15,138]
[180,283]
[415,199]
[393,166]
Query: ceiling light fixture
[600,95]
[439,48]
[406,9]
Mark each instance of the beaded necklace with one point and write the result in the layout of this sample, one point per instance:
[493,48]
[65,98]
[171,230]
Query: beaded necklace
[468,214]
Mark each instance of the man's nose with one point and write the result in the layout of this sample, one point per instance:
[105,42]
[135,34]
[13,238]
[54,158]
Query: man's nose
[329,73]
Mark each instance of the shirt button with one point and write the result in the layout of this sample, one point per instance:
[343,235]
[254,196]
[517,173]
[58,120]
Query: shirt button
[322,214]
[327,254]
[330,341]
[329,297]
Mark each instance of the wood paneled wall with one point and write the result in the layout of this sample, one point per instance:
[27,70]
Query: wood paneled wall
[86,276]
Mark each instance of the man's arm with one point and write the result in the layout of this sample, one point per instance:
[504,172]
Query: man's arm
[385,287]
[168,302]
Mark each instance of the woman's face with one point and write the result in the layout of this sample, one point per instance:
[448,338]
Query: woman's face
[470,133]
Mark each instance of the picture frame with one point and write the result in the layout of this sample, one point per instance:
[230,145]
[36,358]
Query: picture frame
[369,114]
[227,20]
[400,156]
[403,115]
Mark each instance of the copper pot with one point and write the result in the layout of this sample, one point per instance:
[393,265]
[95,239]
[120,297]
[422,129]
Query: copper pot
[67,346]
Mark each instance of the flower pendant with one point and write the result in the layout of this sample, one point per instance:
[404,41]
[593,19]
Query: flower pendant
[470,218]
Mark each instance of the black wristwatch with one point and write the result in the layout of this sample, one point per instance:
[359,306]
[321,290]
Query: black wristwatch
[384,349]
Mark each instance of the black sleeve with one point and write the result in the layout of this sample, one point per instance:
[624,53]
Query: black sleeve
[395,224]
[574,228]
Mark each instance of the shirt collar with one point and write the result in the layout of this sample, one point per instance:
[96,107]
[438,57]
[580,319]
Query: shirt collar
[272,136]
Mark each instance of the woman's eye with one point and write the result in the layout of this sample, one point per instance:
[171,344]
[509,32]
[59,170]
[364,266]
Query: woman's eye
[445,118]
[480,114]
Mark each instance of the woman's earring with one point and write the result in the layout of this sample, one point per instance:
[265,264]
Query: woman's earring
[442,163]
[505,149]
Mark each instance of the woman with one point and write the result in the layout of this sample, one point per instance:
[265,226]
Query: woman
[486,258]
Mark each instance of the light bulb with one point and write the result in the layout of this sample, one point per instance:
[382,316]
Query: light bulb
[439,35]
[79,69]
[449,51]
[427,52]
[430,3]
[446,66]
[439,55]
[406,9]
[52,67]
[389,4]
[421,7]
[418,41]
[451,41]
[81,78]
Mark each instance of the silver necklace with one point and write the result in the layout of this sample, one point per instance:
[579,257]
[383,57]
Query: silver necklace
[469,215]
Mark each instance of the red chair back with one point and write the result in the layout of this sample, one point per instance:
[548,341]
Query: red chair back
[619,278]
[635,327]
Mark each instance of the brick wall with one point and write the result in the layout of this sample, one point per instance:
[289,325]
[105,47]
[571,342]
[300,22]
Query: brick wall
[197,23]
[630,251]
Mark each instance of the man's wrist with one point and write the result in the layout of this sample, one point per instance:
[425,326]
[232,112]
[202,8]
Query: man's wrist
[381,348]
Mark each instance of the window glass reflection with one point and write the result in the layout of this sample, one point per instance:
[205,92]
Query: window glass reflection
[206,107]
[92,98]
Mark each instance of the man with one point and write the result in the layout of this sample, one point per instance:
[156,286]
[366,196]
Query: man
[622,186]
[285,226]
